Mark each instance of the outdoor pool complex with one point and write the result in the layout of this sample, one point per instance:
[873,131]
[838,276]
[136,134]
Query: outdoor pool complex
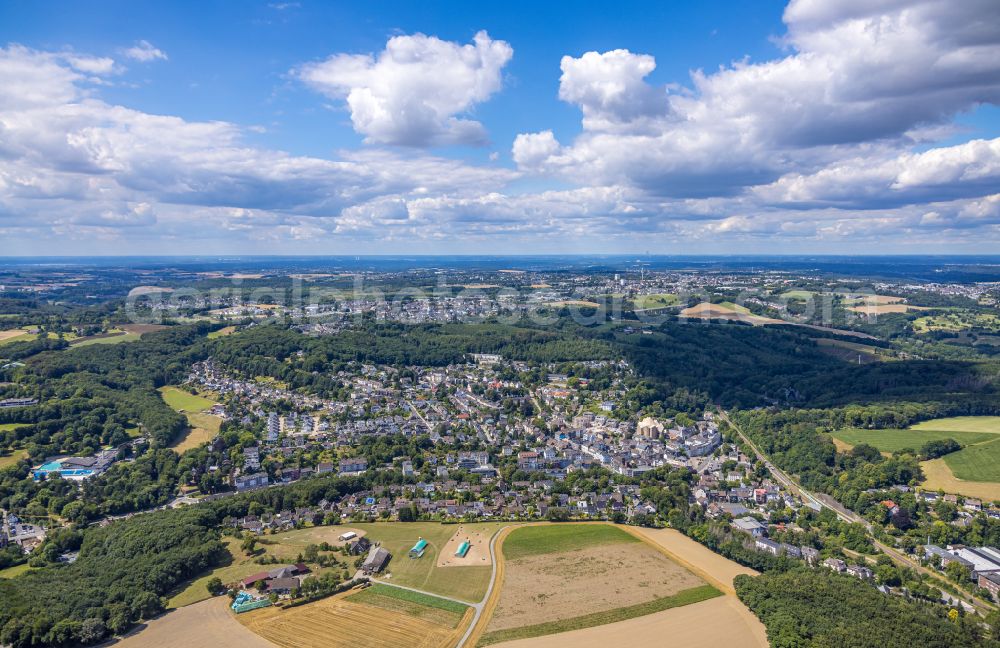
[56,467]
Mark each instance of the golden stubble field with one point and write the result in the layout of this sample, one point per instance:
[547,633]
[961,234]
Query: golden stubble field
[208,624]
[336,623]
[550,587]
[720,621]
[939,477]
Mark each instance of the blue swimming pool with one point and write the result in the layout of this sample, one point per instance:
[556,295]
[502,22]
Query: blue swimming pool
[68,473]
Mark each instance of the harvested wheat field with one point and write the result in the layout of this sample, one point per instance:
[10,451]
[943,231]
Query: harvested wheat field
[554,586]
[479,549]
[880,309]
[336,623]
[939,477]
[706,310]
[701,560]
[208,624]
[721,621]
[11,334]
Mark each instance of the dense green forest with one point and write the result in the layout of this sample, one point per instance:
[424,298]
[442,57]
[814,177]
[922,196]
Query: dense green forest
[805,607]
[90,395]
[125,570]
[746,366]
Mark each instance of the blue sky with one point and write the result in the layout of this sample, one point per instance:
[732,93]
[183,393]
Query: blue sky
[568,127]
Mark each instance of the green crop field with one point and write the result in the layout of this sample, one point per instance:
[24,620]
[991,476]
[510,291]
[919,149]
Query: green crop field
[733,307]
[962,424]
[415,604]
[183,401]
[661,300]
[979,462]
[16,335]
[555,538]
[110,339]
[11,459]
[967,430]
[463,583]
[895,440]
[799,295]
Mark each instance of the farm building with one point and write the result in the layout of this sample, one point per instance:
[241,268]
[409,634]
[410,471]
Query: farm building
[285,585]
[275,574]
[376,561]
[463,549]
[418,549]
[358,546]
[350,535]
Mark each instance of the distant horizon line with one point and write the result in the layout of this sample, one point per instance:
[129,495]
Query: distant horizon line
[496,256]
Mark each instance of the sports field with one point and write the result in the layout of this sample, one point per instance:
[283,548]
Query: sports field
[463,583]
[559,578]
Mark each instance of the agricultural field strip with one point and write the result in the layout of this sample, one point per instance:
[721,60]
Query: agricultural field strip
[604,617]
[713,588]
[339,623]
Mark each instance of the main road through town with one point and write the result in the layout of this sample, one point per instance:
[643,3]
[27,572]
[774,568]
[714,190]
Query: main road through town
[825,501]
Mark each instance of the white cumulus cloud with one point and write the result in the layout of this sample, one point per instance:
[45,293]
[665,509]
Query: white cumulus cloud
[144,52]
[417,91]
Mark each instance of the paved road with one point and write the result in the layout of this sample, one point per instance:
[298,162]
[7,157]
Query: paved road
[845,514]
[420,416]
[477,607]
[489,590]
